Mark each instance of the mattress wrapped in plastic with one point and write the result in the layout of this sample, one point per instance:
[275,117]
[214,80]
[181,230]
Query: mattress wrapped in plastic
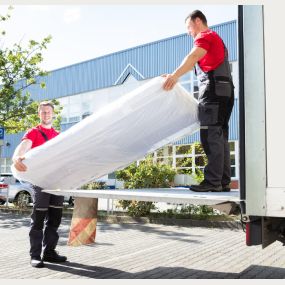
[123,131]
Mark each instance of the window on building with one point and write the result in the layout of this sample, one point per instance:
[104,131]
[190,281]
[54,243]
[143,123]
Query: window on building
[183,149]
[190,83]
[187,159]
[76,107]
[86,105]
[234,159]
[5,165]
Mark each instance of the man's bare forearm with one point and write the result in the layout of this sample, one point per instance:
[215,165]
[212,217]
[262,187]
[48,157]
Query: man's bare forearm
[22,149]
[186,65]
[19,153]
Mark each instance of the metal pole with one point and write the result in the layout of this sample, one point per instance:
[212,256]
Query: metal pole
[108,207]
[1,144]
[7,196]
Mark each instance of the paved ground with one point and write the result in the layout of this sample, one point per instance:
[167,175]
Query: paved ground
[142,251]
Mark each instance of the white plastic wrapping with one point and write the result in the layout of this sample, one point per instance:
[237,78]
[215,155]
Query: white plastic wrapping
[110,139]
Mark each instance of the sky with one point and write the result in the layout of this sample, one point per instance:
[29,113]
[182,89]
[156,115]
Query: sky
[84,32]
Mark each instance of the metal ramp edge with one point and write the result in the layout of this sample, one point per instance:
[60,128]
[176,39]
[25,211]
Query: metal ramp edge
[167,195]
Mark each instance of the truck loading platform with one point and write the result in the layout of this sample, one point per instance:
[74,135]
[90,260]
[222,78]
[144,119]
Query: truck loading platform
[168,195]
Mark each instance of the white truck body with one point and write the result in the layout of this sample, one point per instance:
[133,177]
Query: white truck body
[261,123]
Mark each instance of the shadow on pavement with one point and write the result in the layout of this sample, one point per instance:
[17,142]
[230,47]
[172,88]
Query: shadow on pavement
[98,272]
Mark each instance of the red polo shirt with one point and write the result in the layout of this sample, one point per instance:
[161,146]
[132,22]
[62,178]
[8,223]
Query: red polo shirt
[37,138]
[213,44]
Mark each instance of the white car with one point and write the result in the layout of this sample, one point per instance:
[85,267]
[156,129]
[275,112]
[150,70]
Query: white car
[20,193]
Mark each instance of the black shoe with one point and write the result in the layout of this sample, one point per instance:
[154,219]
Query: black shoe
[37,262]
[226,188]
[206,187]
[53,256]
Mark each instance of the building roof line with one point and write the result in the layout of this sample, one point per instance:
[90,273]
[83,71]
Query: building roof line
[129,65]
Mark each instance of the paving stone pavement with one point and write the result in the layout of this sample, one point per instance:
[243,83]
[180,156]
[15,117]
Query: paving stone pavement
[142,251]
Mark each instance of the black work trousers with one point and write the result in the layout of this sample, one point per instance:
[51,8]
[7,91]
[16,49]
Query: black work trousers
[214,139]
[45,220]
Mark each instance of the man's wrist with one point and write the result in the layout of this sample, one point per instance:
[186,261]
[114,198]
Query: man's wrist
[16,158]
[175,76]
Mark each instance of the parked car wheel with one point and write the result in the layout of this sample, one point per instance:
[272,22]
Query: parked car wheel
[23,199]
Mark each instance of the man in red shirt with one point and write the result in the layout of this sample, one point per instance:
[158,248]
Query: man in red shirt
[209,58]
[47,209]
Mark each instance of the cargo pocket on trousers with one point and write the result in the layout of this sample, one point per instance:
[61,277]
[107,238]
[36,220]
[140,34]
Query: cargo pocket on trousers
[223,88]
[208,113]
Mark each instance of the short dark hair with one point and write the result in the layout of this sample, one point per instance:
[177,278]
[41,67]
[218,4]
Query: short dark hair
[197,14]
[46,103]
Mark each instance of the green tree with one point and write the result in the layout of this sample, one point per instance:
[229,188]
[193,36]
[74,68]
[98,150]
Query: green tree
[19,69]
[145,175]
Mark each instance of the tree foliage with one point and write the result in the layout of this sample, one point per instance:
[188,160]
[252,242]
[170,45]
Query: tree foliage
[20,69]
